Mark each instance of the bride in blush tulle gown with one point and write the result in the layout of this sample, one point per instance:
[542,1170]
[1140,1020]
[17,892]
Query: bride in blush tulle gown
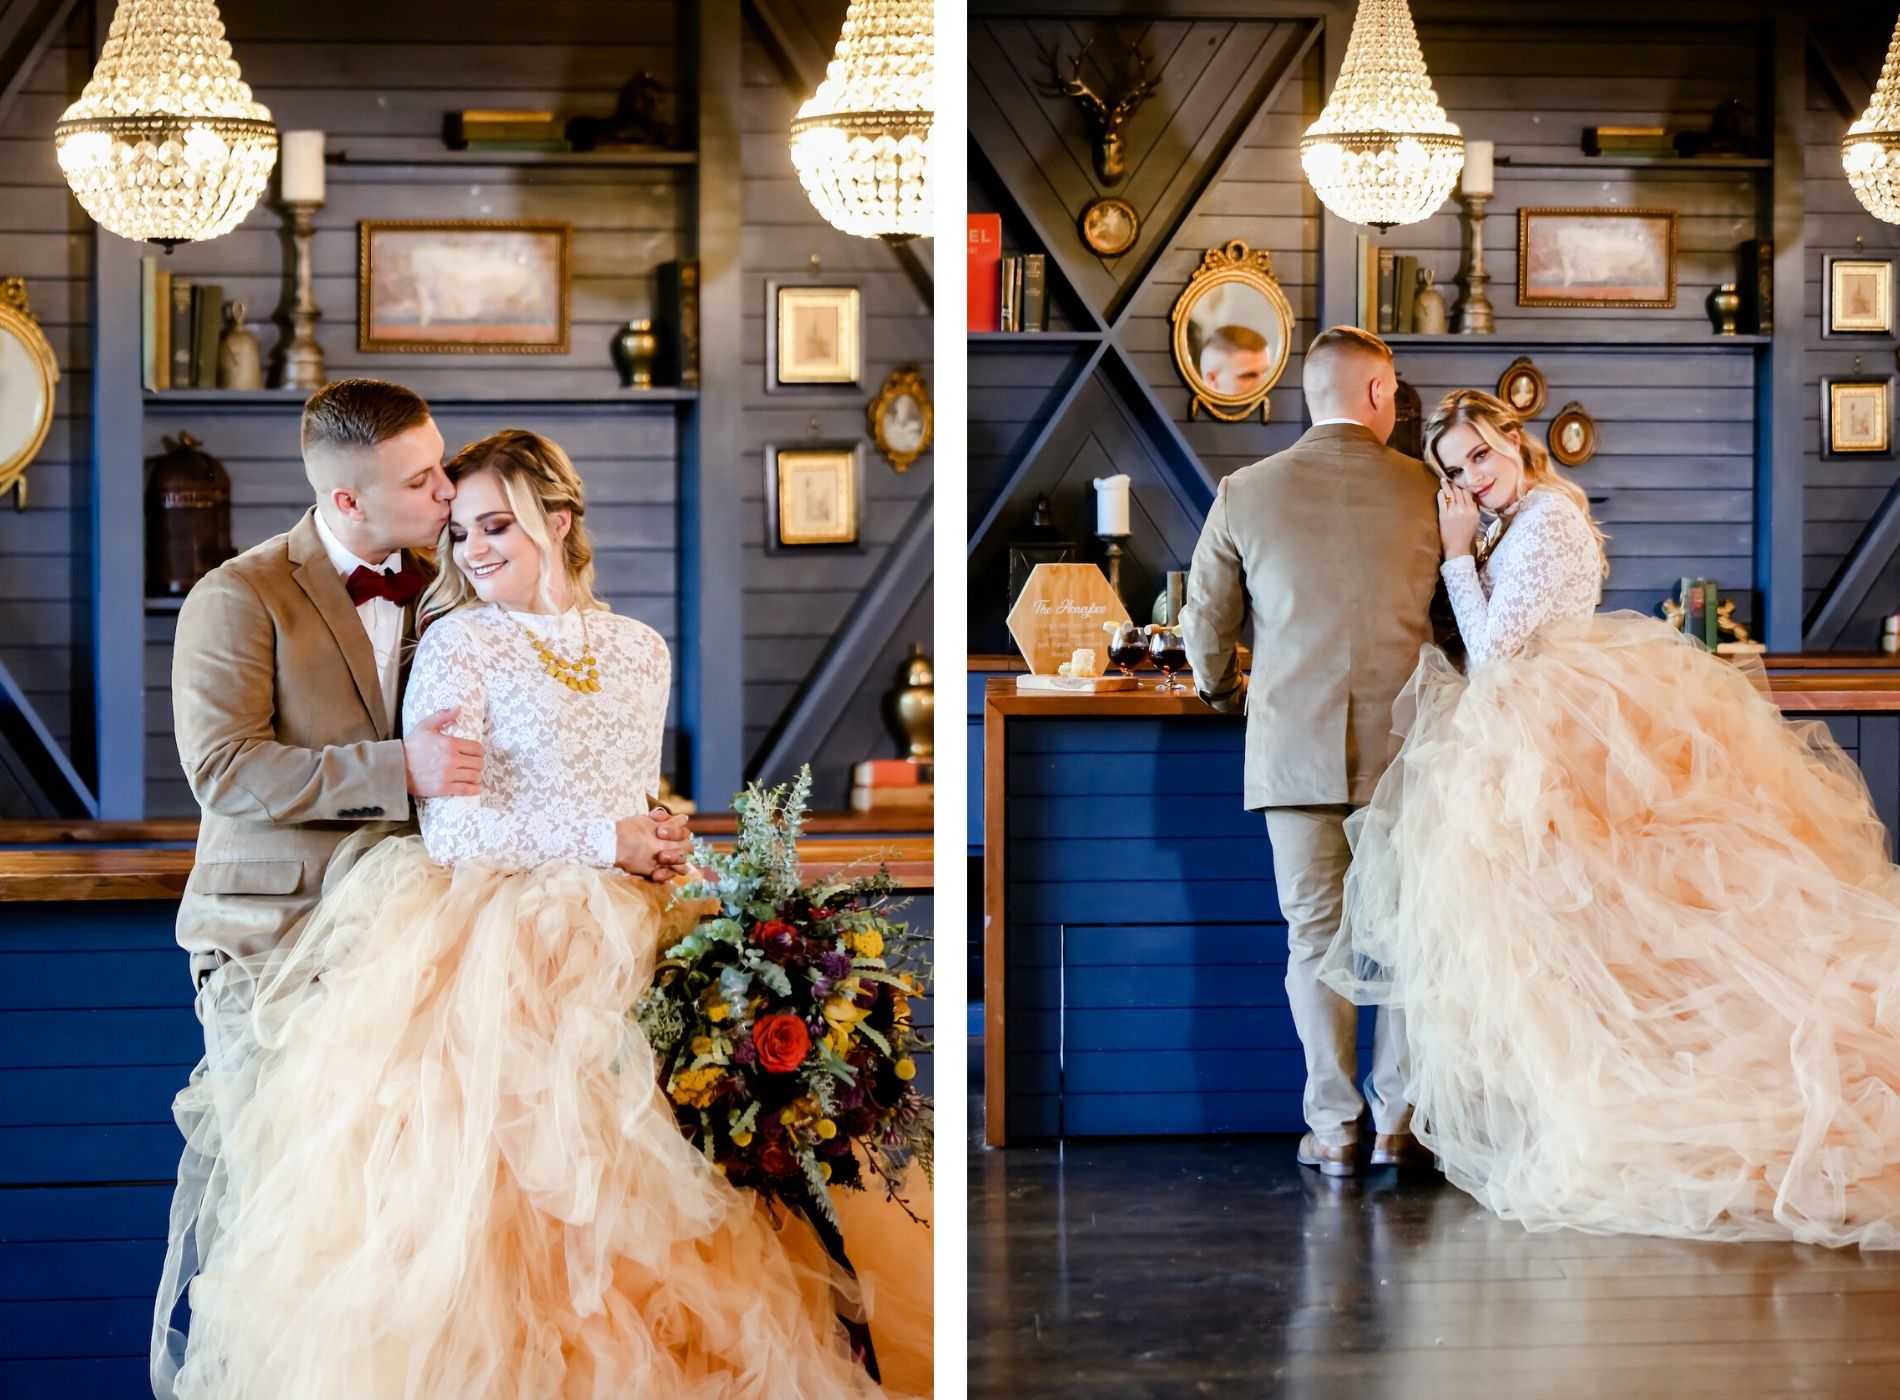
[1644,930]
[454,1176]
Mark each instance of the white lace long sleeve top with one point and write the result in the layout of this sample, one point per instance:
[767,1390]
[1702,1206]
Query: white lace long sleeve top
[1546,565]
[560,766]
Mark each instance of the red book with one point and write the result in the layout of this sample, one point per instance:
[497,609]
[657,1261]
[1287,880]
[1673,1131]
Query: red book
[986,285]
[890,772]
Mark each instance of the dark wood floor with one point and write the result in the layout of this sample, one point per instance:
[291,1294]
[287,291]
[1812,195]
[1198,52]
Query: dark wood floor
[1198,1266]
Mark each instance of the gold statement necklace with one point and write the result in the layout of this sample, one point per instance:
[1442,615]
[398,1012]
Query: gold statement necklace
[582,675]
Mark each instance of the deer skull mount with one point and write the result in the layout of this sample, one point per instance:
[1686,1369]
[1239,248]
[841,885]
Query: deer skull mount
[1106,116]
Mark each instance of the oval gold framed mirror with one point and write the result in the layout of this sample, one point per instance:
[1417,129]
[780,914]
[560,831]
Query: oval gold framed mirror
[28,376]
[1233,332]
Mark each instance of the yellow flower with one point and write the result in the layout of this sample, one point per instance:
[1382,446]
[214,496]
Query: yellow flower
[866,943]
[742,1139]
[841,1010]
[718,1012]
[825,1168]
[839,1039]
[696,1086]
[827,1129]
[702,1045]
[905,1068]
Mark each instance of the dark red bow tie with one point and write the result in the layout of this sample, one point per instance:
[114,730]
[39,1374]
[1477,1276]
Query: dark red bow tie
[401,587]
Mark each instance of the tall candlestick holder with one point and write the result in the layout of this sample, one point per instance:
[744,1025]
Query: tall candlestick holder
[1474,312]
[1112,550]
[301,360]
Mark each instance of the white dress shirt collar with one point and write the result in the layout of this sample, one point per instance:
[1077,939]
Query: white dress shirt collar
[346,562]
[1317,423]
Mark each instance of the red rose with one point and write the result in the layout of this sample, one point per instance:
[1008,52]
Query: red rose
[782,1041]
[776,1161]
[772,929]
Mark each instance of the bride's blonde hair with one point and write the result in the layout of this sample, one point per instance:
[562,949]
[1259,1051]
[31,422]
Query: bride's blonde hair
[1492,419]
[538,479]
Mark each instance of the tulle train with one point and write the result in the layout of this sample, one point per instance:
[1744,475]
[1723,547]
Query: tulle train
[1647,938]
[453,1177]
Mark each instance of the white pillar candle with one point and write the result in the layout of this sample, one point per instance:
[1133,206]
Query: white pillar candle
[301,170]
[1477,173]
[1111,504]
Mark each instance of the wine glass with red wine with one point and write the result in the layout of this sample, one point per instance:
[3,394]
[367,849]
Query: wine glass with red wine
[1168,652]
[1128,648]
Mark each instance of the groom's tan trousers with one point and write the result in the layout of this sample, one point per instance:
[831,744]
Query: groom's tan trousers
[1310,856]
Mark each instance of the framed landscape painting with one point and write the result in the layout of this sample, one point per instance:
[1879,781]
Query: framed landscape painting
[1596,257]
[462,286]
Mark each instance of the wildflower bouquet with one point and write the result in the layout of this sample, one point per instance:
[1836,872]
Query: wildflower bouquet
[782,1023]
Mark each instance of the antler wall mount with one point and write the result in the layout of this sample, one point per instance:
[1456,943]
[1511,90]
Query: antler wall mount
[1105,115]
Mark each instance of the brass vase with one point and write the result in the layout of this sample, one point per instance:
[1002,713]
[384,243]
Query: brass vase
[910,706]
[1725,308]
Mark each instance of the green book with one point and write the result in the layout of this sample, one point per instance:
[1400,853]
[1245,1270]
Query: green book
[1404,293]
[1388,269]
[207,316]
[181,332]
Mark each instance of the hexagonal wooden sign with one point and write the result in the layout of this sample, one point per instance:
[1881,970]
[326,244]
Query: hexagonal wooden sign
[1063,607]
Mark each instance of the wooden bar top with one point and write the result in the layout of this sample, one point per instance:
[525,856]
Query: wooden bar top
[1867,689]
[78,873]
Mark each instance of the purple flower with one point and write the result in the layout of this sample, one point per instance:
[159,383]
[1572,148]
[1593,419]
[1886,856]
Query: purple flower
[836,965]
[744,1052]
[850,1097]
[820,986]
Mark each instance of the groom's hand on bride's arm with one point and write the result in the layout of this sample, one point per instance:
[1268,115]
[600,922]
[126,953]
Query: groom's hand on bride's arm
[439,764]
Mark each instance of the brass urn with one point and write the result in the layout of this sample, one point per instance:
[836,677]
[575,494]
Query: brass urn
[911,706]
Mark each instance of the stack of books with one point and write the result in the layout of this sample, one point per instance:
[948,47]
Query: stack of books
[1007,291]
[180,322]
[893,785]
[504,129]
[1626,141]
[1386,289]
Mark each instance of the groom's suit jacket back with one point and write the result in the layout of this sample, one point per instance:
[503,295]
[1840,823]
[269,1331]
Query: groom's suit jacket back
[279,715]
[1331,548]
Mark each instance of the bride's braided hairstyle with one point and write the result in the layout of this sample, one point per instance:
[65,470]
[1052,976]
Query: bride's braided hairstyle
[1493,420]
[538,479]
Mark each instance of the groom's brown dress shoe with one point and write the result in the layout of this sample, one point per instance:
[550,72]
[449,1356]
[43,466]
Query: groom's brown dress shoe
[1342,1160]
[1403,1151]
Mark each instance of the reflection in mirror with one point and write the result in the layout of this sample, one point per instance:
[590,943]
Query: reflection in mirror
[1233,330]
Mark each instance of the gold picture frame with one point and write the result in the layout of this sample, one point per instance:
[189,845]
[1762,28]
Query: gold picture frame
[1522,388]
[29,376]
[1572,438]
[1856,296]
[1233,332]
[812,496]
[1109,226]
[814,336]
[463,286]
[1596,257]
[1856,416]
[900,417]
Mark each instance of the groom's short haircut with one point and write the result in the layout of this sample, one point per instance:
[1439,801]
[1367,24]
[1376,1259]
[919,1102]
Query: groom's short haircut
[1331,351]
[360,413]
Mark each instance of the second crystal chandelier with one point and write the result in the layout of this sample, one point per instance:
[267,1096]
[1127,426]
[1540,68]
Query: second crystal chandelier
[861,143]
[1382,152]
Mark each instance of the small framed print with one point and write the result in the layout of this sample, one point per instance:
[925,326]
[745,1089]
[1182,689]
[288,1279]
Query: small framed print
[900,417]
[468,286]
[1522,388]
[1110,226]
[1856,417]
[814,337]
[812,494]
[1573,436]
[1857,296]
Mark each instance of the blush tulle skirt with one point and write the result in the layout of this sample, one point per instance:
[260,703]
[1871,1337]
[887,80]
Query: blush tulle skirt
[449,1174]
[1644,936]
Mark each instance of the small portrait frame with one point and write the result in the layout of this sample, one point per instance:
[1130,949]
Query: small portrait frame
[1572,438]
[814,337]
[1523,389]
[1581,257]
[1109,226]
[1856,296]
[462,286]
[900,417]
[1857,416]
[813,497]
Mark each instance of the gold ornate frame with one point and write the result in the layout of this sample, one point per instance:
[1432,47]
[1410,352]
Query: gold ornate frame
[1524,220]
[1831,385]
[368,229]
[16,320]
[1572,412]
[1524,365]
[1232,262]
[904,382]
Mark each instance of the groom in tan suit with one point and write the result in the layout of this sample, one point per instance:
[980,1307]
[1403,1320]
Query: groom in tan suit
[286,676]
[1332,548]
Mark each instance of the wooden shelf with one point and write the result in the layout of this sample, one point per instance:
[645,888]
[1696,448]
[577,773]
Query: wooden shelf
[1552,340]
[371,156]
[1580,161]
[1032,338]
[270,398]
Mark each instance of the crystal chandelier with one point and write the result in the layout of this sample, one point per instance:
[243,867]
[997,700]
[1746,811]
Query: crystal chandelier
[861,143]
[165,143]
[1871,149]
[1382,152]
